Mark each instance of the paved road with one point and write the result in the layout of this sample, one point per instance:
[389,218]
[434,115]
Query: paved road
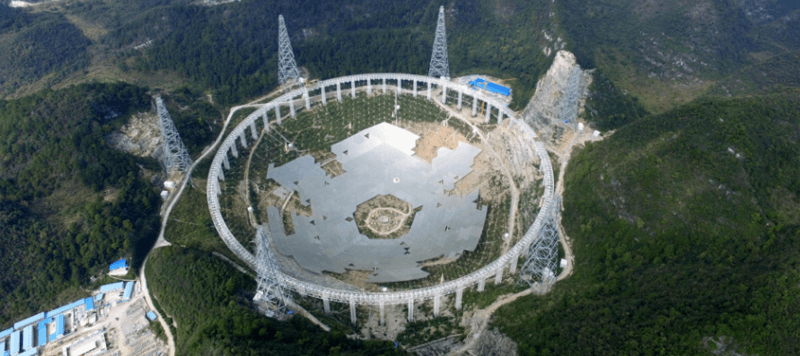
[161,242]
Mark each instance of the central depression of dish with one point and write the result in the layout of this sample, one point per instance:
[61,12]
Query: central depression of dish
[379,161]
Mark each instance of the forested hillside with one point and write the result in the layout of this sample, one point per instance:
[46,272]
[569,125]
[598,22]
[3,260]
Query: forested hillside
[69,205]
[209,300]
[684,225]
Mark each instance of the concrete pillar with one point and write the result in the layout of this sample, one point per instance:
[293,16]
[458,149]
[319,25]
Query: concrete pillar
[234,151]
[481,284]
[352,311]
[488,112]
[474,106]
[444,94]
[216,185]
[512,268]
[382,314]
[499,116]
[339,91]
[429,90]
[459,296]
[324,97]
[369,87]
[436,300]
[308,100]
[266,121]
[226,163]
[243,138]
[278,113]
[221,176]
[253,130]
[499,276]
[353,89]
[415,88]
[384,85]
[411,309]
[326,304]
[291,108]
[399,86]
[459,99]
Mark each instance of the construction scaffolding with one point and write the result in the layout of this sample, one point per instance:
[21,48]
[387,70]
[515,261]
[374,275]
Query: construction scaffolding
[270,293]
[440,66]
[287,67]
[176,157]
[539,270]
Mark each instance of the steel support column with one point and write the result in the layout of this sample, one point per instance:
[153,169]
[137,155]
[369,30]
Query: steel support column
[369,87]
[326,304]
[243,139]
[444,94]
[339,91]
[226,163]
[352,311]
[411,309]
[384,85]
[308,99]
[488,112]
[436,302]
[278,113]
[291,108]
[429,90]
[234,151]
[399,86]
[382,314]
[415,88]
[324,97]
[459,296]
[499,276]
[253,130]
[474,106]
[459,99]
[353,89]
[481,284]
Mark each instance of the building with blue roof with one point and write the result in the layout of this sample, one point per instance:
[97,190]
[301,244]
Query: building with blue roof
[42,332]
[65,308]
[151,315]
[111,287]
[123,263]
[99,297]
[23,323]
[30,352]
[27,337]
[491,87]
[89,302]
[6,332]
[3,346]
[15,342]
[128,291]
[59,328]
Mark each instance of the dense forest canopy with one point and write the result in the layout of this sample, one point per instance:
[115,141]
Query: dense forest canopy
[684,225]
[55,170]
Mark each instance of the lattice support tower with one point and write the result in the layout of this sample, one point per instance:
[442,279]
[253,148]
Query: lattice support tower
[269,292]
[539,269]
[440,66]
[571,103]
[287,67]
[176,157]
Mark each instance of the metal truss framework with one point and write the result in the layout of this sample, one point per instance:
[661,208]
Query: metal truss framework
[539,269]
[440,66]
[176,158]
[287,67]
[321,94]
[269,291]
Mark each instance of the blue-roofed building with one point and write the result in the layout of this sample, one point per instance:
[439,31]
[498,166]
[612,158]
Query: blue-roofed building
[128,291]
[151,315]
[99,297]
[30,352]
[15,342]
[491,87]
[6,332]
[21,324]
[111,287]
[2,346]
[27,337]
[123,263]
[63,309]
[42,332]
[89,302]
[59,328]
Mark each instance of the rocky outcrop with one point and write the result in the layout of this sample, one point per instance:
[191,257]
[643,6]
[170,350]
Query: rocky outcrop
[140,137]
[559,96]
[495,343]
